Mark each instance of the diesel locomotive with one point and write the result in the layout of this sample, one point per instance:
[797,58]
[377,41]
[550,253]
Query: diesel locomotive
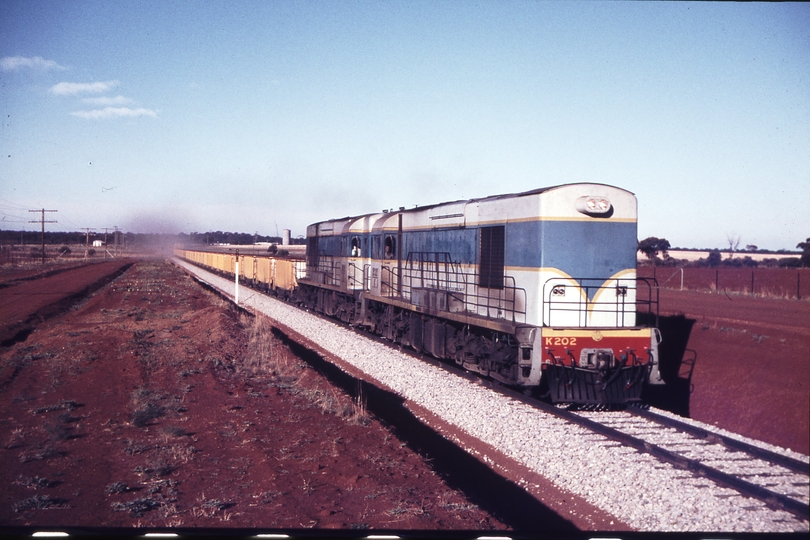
[534,289]
[537,290]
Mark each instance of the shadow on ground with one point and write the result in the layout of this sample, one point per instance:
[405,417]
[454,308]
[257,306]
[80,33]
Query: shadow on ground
[677,364]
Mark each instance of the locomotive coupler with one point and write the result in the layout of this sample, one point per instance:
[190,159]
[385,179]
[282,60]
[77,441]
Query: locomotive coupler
[617,370]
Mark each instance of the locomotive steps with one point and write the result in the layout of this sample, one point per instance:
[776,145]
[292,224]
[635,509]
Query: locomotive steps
[640,491]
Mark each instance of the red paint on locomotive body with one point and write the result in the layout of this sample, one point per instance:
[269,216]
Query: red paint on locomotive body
[568,345]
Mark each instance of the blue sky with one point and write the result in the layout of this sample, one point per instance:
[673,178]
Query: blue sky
[261,116]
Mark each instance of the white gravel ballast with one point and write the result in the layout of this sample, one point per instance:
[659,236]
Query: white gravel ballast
[635,487]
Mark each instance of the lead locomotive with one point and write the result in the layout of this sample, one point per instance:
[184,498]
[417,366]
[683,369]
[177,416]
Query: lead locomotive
[530,288]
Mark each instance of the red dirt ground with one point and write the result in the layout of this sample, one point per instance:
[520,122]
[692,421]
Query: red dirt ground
[24,301]
[751,357]
[152,403]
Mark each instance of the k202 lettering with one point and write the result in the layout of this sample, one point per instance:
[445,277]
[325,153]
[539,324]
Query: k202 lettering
[560,340]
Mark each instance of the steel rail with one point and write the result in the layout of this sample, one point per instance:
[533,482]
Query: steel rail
[787,462]
[773,500]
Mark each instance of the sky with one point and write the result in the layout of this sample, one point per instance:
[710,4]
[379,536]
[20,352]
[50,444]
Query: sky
[262,116]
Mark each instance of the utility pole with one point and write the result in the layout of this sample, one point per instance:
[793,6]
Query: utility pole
[43,228]
[86,242]
[105,242]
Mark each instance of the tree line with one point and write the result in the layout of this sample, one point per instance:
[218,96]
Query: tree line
[14,238]
[651,247]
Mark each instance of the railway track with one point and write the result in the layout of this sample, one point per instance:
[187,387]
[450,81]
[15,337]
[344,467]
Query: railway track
[780,481]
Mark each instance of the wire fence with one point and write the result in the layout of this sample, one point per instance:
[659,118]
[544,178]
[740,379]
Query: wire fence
[769,282]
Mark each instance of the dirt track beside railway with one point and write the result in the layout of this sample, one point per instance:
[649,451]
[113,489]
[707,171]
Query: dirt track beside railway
[26,301]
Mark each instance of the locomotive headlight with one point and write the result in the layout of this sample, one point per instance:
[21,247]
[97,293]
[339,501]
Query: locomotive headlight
[594,206]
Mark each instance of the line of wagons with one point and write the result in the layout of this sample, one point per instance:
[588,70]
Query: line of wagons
[537,290]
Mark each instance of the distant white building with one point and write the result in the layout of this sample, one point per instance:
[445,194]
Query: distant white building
[98,243]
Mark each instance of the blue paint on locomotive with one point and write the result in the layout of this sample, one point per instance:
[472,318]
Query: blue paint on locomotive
[583,249]
[461,244]
[579,248]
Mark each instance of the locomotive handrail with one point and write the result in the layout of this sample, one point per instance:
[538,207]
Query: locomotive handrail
[351,275]
[326,267]
[388,286]
[587,307]
[436,271]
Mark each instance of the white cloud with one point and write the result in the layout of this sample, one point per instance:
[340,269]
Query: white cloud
[71,89]
[108,101]
[12,63]
[114,112]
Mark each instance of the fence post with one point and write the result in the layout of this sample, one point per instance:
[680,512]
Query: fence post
[717,280]
[799,285]
[752,282]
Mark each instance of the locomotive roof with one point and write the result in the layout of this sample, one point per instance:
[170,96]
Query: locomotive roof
[479,199]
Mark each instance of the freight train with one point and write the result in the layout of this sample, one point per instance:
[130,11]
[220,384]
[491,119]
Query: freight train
[277,275]
[537,290]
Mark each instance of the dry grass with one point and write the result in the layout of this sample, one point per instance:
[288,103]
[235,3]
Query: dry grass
[773,293]
[267,356]
[38,454]
[40,502]
[146,407]
[15,439]
[34,482]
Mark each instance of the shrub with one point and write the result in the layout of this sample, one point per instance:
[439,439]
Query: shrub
[790,262]
[143,416]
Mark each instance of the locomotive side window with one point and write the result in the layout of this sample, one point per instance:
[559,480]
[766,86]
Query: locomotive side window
[390,247]
[356,249]
[491,265]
